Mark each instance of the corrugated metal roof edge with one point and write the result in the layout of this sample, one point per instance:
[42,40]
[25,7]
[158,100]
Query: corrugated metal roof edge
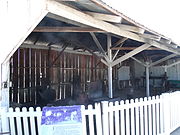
[116,12]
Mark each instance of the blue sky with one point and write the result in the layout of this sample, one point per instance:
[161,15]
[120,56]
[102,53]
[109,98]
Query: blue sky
[161,16]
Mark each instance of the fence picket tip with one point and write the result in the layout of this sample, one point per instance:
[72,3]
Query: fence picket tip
[17,109]
[38,109]
[24,109]
[132,101]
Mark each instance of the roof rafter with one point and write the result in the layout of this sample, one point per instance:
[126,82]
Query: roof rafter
[78,16]
[66,29]
[131,28]
[132,48]
[105,17]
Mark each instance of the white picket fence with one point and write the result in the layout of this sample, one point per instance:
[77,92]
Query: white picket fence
[158,115]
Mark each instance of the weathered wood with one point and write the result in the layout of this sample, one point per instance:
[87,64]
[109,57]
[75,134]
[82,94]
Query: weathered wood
[105,17]
[109,51]
[27,78]
[15,77]
[132,48]
[66,29]
[21,75]
[163,59]
[120,42]
[131,28]
[73,14]
[130,54]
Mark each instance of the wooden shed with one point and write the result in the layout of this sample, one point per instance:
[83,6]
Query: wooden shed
[63,43]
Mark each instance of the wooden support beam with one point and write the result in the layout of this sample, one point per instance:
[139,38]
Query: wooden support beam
[67,29]
[162,60]
[150,36]
[173,64]
[132,48]
[115,55]
[166,47]
[62,19]
[147,82]
[105,17]
[110,82]
[99,46]
[131,28]
[80,17]
[130,54]
[140,62]
[120,42]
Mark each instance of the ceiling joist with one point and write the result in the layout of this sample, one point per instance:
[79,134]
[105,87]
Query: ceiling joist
[132,48]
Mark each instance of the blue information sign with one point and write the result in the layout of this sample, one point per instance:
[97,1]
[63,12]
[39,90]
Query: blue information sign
[62,120]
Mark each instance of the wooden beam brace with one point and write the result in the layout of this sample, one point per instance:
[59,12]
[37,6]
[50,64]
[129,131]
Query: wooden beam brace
[140,62]
[130,54]
[115,55]
[132,48]
[60,53]
[105,17]
[163,59]
[99,46]
[67,29]
[120,42]
[173,64]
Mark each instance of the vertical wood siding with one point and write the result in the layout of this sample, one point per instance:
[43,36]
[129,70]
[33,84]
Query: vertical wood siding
[30,66]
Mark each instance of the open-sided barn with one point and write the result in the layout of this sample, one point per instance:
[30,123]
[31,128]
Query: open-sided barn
[60,49]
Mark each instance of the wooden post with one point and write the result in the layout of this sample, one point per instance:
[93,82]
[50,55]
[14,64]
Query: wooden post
[4,99]
[147,81]
[4,96]
[109,66]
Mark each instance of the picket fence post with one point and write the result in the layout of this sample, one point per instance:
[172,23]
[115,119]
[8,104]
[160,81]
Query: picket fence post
[105,117]
[4,120]
[166,111]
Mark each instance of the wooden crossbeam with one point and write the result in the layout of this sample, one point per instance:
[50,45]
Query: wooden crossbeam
[66,29]
[105,17]
[130,54]
[132,48]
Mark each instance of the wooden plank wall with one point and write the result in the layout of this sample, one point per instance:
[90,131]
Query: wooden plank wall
[30,66]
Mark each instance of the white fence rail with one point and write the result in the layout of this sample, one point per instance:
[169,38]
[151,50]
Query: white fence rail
[145,116]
